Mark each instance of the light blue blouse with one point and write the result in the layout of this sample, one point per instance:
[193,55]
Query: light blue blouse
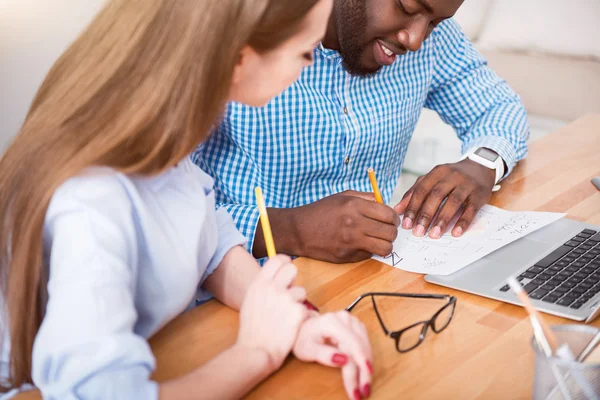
[126,256]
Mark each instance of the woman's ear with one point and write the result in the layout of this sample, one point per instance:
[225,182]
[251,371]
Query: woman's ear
[246,61]
[237,70]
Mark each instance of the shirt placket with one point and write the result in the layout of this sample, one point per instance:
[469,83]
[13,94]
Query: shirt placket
[349,128]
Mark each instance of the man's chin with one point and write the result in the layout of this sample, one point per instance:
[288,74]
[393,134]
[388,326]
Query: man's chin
[361,70]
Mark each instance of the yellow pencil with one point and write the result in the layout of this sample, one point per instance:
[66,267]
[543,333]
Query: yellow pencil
[375,186]
[269,243]
[264,220]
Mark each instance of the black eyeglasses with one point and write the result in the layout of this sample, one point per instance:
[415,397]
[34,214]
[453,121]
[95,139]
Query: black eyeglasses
[410,337]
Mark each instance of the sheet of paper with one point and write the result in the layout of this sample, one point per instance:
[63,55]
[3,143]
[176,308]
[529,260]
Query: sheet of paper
[492,229]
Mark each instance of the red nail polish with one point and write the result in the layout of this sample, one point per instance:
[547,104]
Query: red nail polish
[370,367]
[339,359]
[356,394]
[367,390]
[310,306]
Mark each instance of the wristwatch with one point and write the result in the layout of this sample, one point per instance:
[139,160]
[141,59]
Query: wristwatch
[489,159]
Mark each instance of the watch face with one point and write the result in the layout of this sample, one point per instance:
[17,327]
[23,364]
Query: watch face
[487,154]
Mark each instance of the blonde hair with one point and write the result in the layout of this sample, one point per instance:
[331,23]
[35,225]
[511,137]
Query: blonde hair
[138,91]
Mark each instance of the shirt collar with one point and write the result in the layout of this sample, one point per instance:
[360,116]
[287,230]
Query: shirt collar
[328,53]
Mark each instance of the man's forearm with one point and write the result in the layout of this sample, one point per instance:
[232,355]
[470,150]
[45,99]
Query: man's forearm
[286,234]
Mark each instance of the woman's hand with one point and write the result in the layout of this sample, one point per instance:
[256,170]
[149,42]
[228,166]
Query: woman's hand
[272,311]
[339,340]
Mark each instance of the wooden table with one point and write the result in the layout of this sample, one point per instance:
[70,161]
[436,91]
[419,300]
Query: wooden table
[484,353]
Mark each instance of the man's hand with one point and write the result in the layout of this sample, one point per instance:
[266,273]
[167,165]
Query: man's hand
[345,227]
[465,187]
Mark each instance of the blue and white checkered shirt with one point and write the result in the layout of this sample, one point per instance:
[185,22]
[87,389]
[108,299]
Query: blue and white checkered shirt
[319,137]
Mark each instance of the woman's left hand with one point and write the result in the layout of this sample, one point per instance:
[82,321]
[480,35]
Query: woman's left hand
[339,340]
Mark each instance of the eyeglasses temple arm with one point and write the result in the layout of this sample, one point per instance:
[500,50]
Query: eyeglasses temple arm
[387,332]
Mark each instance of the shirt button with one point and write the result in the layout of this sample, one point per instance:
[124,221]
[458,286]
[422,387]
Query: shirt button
[345,110]
[347,160]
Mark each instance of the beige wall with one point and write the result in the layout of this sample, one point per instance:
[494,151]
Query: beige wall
[33,33]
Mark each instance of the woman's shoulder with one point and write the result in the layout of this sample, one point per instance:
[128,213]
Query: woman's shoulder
[93,210]
[111,192]
[95,187]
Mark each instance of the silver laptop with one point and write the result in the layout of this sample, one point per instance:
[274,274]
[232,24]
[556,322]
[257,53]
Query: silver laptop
[559,266]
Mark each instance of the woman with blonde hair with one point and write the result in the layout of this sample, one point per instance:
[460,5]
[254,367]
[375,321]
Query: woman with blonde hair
[109,231]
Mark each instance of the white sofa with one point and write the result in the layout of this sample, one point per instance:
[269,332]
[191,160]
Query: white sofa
[547,50]
[555,43]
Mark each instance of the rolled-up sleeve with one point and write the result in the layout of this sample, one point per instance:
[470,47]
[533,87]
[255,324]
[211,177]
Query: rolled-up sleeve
[86,347]
[245,218]
[469,96]
[229,237]
[235,174]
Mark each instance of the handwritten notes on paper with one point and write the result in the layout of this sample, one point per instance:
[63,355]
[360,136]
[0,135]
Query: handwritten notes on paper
[492,229]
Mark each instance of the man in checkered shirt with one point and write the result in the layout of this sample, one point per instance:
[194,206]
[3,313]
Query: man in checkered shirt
[355,107]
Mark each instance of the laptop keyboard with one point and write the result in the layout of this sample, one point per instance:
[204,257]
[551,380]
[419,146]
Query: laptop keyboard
[569,276]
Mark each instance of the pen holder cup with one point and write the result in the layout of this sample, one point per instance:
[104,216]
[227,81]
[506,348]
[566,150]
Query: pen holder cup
[557,378]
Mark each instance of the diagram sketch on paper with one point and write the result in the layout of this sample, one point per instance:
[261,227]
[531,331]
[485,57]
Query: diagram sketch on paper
[492,229]
[394,259]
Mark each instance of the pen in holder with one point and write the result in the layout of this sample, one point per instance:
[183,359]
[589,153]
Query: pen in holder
[557,378]
[555,354]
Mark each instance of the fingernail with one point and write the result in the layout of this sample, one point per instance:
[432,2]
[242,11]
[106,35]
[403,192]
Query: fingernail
[366,390]
[419,230]
[356,394]
[457,231]
[407,223]
[370,367]
[339,359]
[310,306]
[436,232]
